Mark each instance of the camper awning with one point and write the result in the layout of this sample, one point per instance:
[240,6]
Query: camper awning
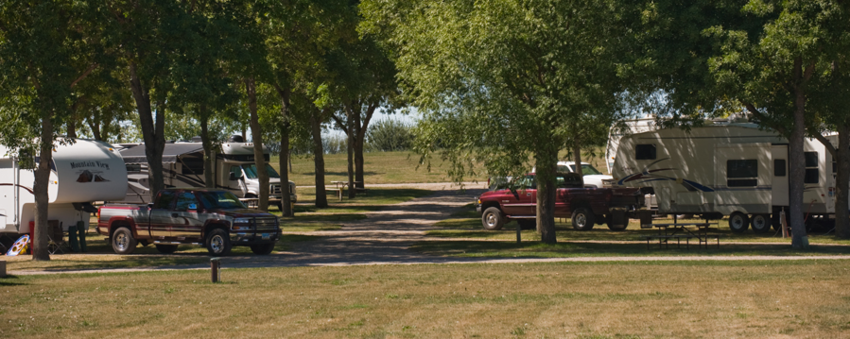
[136,155]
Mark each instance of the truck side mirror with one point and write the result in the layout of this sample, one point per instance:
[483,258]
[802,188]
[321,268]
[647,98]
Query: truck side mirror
[234,177]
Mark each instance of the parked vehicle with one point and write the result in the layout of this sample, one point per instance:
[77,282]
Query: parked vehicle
[737,170]
[82,172]
[585,205]
[215,219]
[235,170]
[591,176]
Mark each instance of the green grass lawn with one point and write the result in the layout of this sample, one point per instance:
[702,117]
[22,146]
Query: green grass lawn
[687,299]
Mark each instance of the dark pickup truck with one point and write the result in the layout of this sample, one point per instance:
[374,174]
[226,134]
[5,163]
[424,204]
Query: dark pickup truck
[213,218]
[586,206]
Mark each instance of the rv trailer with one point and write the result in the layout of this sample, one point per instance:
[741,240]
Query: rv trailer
[81,173]
[183,166]
[735,170]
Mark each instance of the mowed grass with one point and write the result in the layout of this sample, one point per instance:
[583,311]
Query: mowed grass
[465,237]
[378,168]
[545,300]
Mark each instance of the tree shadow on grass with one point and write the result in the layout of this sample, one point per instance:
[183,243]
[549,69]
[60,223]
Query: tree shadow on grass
[509,249]
[11,280]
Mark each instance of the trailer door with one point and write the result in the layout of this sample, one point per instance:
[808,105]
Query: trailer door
[780,175]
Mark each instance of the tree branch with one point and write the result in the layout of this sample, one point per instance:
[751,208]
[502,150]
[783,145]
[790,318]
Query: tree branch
[823,140]
[752,109]
[85,74]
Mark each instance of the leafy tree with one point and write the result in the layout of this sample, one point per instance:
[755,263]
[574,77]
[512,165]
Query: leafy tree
[46,50]
[505,80]
[389,135]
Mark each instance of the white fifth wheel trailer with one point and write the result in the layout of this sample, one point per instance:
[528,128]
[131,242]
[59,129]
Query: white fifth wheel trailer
[81,173]
[735,170]
[183,166]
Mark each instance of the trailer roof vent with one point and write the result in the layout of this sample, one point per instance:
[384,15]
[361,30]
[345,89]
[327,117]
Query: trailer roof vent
[236,138]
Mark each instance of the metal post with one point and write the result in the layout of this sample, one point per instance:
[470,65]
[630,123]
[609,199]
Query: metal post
[518,235]
[215,268]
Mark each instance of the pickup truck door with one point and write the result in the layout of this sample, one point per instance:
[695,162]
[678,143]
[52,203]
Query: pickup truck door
[525,203]
[185,221]
[159,219]
[570,189]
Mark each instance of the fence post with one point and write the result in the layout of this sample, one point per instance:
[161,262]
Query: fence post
[215,268]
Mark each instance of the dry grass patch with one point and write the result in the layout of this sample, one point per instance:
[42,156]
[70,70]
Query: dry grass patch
[608,300]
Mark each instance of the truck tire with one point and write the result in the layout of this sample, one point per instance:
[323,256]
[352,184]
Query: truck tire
[165,248]
[492,219]
[122,241]
[738,222]
[262,249]
[583,219]
[760,223]
[527,224]
[218,242]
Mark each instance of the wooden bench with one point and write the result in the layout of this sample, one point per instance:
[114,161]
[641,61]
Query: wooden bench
[663,239]
[336,191]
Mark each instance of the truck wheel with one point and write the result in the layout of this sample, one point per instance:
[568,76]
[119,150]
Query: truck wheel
[492,219]
[583,219]
[262,249]
[760,223]
[527,224]
[123,241]
[166,249]
[739,222]
[218,242]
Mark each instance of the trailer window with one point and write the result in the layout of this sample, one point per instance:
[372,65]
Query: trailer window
[645,152]
[811,168]
[778,167]
[742,173]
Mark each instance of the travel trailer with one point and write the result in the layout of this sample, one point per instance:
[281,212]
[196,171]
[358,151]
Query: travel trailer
[81,173]
[629,127]
[183,166]
[736,170]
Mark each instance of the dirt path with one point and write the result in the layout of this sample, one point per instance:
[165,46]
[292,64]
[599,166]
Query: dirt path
[385,236]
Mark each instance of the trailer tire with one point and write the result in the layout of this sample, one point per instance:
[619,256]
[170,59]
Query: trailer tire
[760,223]
[218,242]
[165,248]
[617,228]
[738,222]
[527,224]
[492,219]
[583,219]
[122,241]
[262,249]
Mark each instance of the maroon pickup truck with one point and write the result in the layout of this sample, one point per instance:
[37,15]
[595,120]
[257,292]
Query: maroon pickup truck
[212,218]
[586,206]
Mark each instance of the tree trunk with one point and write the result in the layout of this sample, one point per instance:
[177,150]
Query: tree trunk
[42,181]
[546,161]
[152,131]
[286,199]
[350,150]
[357,149]
[842,184]
[209,152]
[797,172]
[259,157]
[577,156]
[318,158]
[72,124]
[359,142]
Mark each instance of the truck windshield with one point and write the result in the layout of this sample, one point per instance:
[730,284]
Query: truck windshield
[586,169]
[251,171]
[220,200]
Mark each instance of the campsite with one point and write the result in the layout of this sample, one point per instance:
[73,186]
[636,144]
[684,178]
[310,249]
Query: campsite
[424,169]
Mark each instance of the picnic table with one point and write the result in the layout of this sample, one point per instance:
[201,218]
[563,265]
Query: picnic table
[681,231]
[340,186]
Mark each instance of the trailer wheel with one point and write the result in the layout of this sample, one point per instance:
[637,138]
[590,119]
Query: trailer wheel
[760,223]
[166,249]
[738,222]
[583,219]
[527,224]
[262,249]
[492,219]
[614,227]
[218,242]
[123,241]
